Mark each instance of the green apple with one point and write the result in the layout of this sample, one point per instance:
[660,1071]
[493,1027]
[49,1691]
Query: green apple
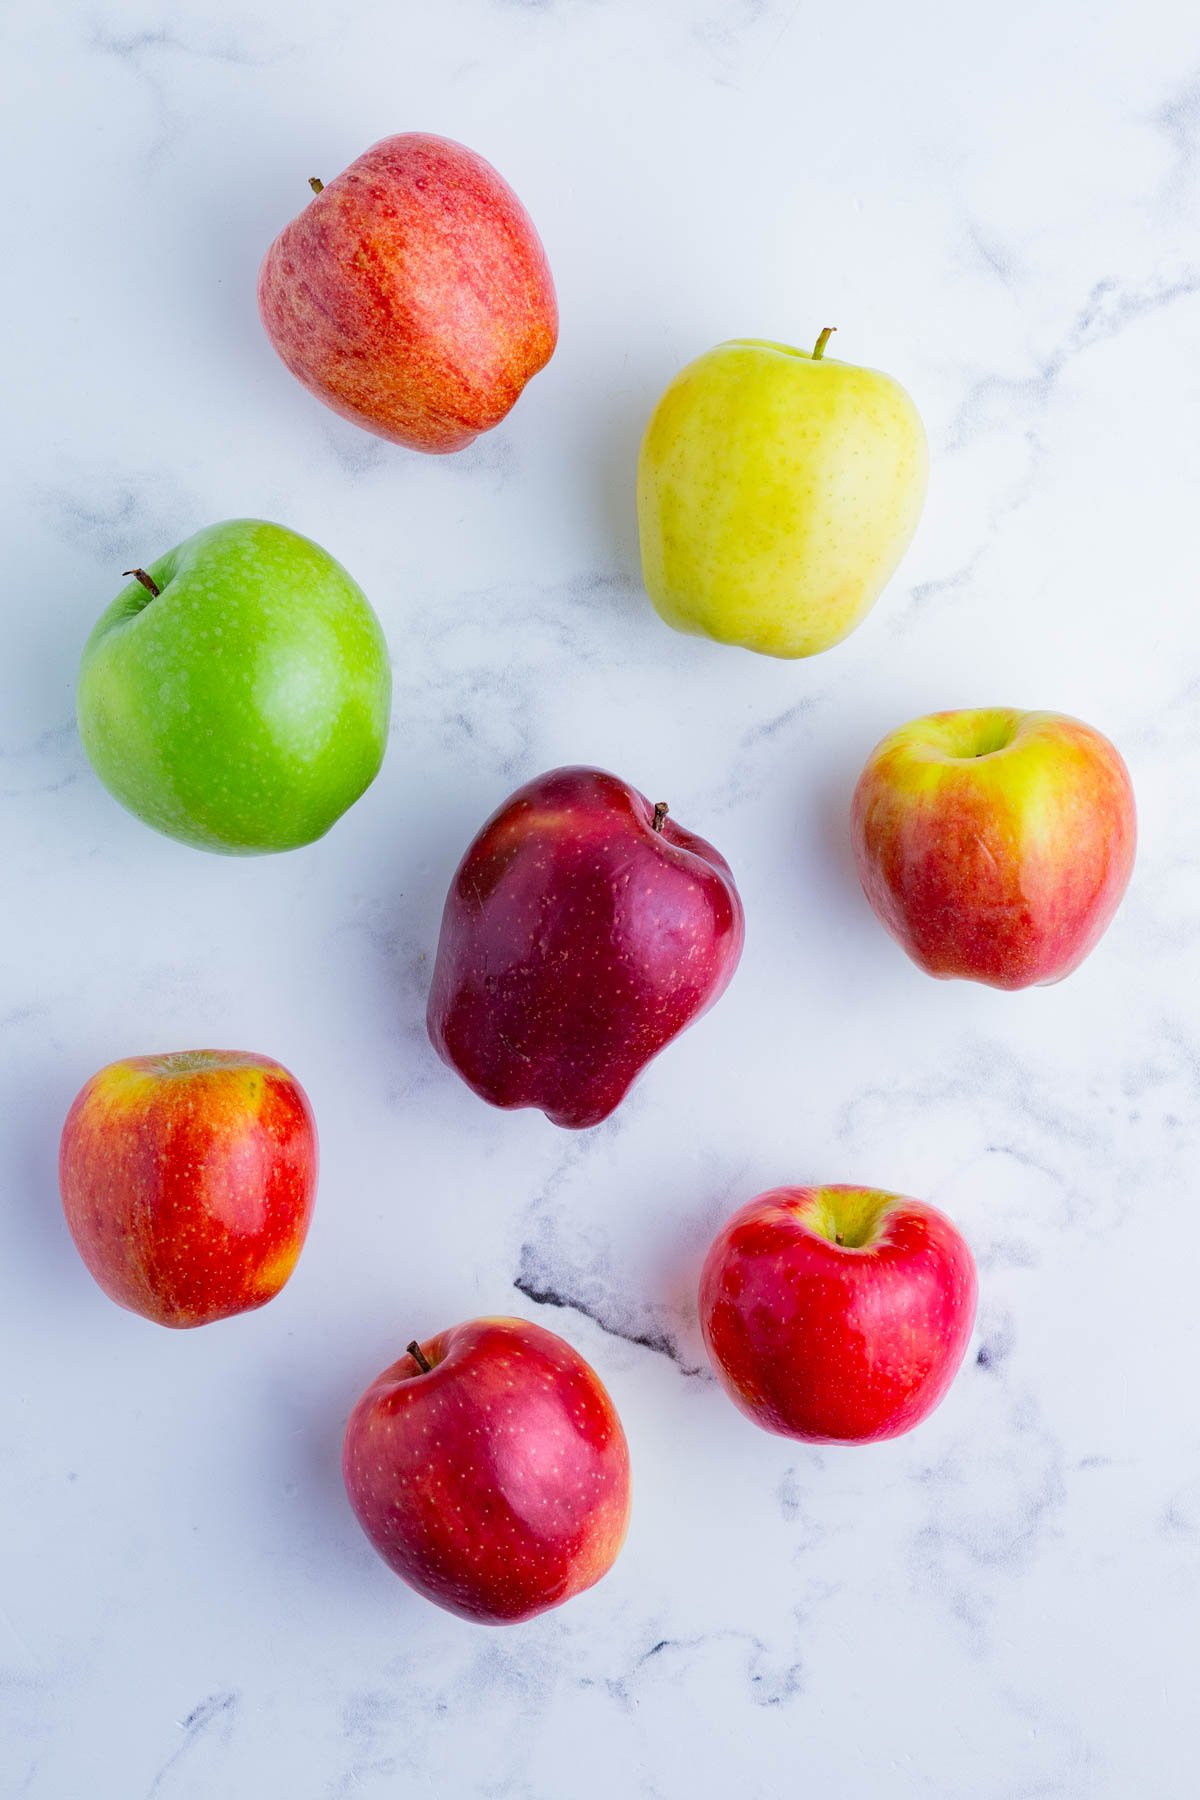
[236,693]
[777,491]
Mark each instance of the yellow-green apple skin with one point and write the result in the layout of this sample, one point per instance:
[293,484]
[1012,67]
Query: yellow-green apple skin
[995,845]
[777,491]
[236,694]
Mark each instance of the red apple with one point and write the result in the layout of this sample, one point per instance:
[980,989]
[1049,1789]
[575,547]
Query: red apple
[489,1469]
[412,295]
[837,1315]
[188,1182]
[582,932]
[995,845]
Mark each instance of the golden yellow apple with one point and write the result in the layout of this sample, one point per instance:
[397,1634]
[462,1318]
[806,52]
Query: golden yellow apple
[777,491]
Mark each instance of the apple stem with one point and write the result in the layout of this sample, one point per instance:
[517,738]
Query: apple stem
[419,1357]
[147,581]
[316,184]
[661,809]
[838,1238]
[819,346]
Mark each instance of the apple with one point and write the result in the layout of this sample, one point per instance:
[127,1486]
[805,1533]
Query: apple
[236,693]
[777,491]
[489,1469]
[188,1182]
[995,845]
[837,1315]
[412,295]
[583,930]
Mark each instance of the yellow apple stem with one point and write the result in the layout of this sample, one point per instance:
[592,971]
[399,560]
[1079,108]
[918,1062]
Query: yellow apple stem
[661,809]
[819,346]
[316,184]
[147,581]
[419,1357]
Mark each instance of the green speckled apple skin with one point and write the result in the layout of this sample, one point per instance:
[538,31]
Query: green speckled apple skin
[246,706]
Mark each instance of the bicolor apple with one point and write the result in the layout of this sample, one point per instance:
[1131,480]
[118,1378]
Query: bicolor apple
[188,1182]
[995,845]
[412,295]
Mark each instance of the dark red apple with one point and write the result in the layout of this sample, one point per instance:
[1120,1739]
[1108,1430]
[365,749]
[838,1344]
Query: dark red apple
[837,1315]
[412,295]
[489,1469]
[188,1181]
[583,931]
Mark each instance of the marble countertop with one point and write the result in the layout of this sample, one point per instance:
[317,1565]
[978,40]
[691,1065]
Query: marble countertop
[997,206]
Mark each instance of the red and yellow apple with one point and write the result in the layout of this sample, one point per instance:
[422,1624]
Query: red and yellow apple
[489,1469]
[412,295]
[188,1182]
[995,845]
[837,1315]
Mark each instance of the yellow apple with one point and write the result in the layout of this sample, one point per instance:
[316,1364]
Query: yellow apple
[777,491]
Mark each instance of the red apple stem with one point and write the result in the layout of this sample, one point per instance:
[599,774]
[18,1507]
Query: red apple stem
[419,1357]
[661,809]
[819,346]
[147,581]
[316,184]
[838,1238]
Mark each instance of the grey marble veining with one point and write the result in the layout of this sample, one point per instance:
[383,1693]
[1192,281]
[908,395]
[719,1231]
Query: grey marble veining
[1002,211]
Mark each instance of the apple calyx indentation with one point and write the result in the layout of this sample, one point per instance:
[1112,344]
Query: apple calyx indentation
[419,1357]
[847,1217]
[987,732]
[148,582]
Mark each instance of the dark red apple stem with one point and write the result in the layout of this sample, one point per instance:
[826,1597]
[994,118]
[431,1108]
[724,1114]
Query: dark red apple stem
[316,184]
[819,346]
[419,1357]
[147,581]
[661,809]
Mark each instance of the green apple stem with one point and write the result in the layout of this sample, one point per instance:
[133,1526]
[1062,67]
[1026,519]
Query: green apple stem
[419,1357]
[819,346]
[316,184]
[661,809]
[148,582]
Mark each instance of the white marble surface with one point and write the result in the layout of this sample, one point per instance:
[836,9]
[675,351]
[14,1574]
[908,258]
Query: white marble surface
[998,205]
